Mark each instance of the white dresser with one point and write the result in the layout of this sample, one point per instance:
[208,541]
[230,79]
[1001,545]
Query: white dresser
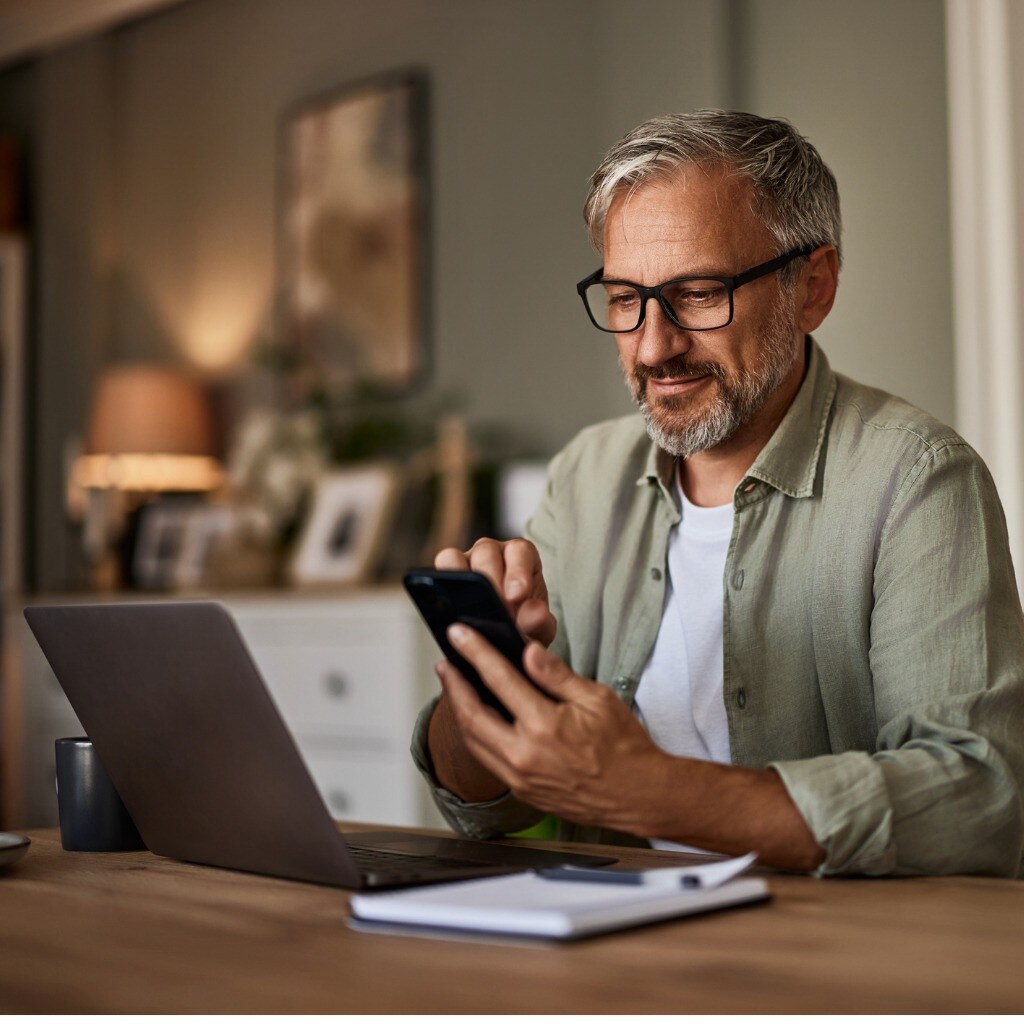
[348,672]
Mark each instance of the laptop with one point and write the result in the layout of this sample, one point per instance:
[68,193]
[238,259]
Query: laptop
[188,733]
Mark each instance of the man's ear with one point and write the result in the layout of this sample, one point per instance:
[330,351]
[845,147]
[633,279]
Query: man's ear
[817,289]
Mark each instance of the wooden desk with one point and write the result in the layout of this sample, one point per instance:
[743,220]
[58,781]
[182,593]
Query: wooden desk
[129,932]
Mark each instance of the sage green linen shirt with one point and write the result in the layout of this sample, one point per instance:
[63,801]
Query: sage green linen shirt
[873,636]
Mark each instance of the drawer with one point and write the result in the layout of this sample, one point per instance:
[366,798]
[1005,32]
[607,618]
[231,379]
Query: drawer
[337,692]
[364,623]
[365,787]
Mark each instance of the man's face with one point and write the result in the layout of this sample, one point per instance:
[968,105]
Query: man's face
[697,388]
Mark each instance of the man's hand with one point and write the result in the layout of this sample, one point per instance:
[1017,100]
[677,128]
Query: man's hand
[514,569]
[583,756]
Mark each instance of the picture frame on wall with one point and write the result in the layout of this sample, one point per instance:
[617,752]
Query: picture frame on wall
[348,526]
[353,247]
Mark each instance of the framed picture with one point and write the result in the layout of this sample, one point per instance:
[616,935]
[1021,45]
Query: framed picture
[348,525]
[160,541]
[203,527]
[353,247]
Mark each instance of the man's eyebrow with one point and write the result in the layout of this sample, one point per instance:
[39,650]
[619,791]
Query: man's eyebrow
[610,275]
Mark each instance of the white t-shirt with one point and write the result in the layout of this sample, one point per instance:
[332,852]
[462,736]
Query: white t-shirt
[679,699]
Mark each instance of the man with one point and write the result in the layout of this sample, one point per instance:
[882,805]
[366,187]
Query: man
[776,612]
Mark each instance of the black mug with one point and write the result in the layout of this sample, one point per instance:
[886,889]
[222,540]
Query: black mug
[92,815]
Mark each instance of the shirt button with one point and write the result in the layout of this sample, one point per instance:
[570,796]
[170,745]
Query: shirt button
[737,579]
[655,574]
[741,698]
[621,684]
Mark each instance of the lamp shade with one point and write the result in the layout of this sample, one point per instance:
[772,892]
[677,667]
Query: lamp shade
[149,410]
[150,429]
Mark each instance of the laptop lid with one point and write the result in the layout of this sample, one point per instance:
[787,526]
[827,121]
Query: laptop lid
[209,772]
[179,715]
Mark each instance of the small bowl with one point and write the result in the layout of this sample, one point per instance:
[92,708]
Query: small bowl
[12,847]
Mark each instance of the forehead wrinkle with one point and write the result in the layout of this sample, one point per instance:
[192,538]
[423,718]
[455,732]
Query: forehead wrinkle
[731,217]
[664,226]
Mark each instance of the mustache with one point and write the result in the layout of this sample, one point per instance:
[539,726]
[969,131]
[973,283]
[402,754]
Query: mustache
[677,366]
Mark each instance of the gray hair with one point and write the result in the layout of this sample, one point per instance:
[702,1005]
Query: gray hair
[795,194]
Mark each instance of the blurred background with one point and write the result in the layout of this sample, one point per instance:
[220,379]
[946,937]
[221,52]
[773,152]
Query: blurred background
[287,293]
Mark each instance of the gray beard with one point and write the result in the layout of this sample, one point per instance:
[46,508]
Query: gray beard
[734,403]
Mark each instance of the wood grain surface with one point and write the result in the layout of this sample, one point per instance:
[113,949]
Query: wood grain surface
[131,932]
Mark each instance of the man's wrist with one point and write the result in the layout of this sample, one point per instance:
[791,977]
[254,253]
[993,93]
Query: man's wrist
[725,808]
[649,799]
[454,767]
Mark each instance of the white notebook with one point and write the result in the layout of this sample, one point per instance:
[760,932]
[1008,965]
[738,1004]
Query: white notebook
[530,905]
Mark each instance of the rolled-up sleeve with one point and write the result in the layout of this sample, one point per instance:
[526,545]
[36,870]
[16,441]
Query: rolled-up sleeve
[484,820]
[504,814]
[941,791]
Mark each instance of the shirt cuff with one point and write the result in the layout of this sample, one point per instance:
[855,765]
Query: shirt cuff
[488,819]
[845,802]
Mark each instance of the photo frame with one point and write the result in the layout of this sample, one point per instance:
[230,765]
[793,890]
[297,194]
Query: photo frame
[349,523]
[353,248]
[204,527]
[160,540]
[174,542]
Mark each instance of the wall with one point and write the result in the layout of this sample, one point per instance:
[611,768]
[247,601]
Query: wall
[866,83]
[158,194]
[524,100]
[75,181]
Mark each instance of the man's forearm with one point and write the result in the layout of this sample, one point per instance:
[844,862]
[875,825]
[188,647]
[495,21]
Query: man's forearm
[724,808]
[456,769]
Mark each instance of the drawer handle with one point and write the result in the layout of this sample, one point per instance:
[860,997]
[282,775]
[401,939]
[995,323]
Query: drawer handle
[335,684]
[337,800]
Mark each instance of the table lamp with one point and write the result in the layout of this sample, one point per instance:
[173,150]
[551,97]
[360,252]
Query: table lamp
[150,431]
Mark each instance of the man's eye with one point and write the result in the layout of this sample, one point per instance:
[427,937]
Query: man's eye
[623,300]
[700,296]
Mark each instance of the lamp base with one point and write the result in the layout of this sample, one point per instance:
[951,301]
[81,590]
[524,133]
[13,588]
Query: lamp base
[105,575]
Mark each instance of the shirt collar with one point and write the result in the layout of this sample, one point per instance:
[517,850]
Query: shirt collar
[660,469]
[789,461]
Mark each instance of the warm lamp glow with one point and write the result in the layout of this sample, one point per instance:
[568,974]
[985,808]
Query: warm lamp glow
[213,312]
[150,429]
[219,332]
[148,472]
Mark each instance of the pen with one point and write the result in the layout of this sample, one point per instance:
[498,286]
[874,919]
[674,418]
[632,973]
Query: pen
[571,874]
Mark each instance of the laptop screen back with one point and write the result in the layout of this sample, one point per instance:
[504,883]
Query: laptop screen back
[192,740]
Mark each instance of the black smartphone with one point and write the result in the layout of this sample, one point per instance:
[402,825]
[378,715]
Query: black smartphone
[444,597]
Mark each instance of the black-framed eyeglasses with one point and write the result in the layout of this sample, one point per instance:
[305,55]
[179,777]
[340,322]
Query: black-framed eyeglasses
[692,303]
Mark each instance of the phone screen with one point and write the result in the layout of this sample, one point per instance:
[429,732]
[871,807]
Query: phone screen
[445,597]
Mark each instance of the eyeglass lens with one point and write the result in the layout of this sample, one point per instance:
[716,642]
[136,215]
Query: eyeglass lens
[694,304]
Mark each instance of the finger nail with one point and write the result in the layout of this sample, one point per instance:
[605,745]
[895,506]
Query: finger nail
[514,588]
[458,633]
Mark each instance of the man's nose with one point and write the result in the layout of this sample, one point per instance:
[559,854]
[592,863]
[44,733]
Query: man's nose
[659,338]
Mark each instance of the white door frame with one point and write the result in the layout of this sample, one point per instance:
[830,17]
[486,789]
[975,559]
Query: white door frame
[986,236]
